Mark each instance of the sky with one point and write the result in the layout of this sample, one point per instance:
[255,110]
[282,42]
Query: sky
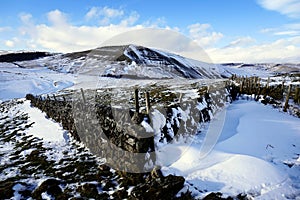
[227,30]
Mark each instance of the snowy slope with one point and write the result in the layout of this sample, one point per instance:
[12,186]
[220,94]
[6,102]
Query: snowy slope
[252,155]
[16,82]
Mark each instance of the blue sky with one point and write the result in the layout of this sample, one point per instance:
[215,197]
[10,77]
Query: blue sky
[228,30]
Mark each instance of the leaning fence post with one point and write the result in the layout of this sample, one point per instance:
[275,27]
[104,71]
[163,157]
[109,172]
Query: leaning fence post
[147,96]
[287,98]
[83,97]
[136,97]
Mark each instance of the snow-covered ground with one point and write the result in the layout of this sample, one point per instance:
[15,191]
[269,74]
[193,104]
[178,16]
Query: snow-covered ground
[34,150]
[16,82]
[252,155]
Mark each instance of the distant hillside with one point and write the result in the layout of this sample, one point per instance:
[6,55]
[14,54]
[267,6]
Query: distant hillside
[22,56]
[132,61]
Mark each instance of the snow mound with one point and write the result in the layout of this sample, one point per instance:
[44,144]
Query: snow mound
[240,174]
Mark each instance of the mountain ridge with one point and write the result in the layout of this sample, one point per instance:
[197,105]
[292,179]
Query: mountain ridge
[130,61]
[139,62]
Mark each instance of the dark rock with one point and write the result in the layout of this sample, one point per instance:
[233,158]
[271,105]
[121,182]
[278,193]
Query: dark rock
[216,196]
[160,188]
[29,97]
[242,197]
[120,194]
[51,186]
[88,191]
[6,189]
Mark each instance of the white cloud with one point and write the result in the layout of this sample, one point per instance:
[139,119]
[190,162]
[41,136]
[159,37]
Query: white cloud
[291,33]
[61,36]
[131,20]
[104,14]
[28,26]
[241,42]
[57,18]
[290,8]
[282,50]
[25,18]
[93,12]
[73,38]
[203,34]
[9,43]
[284,30]
[110,12]
[156,23]
[5,28]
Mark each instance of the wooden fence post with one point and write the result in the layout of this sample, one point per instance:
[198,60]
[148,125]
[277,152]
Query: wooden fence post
[282,87]
[287,99]
[147,96]
[268,83]
[83,97]
[258,90]
[181,94]
[136,97]
[250,85]
[297,95]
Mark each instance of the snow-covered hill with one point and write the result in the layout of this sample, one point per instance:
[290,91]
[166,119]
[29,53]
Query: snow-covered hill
[130,61]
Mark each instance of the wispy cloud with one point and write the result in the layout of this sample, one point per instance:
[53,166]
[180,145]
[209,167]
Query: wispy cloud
[5,28]
[25,17]
[284,30]
[241,42]
[104,14]
[130,20]
[204,35]
[290,33]
[291,8]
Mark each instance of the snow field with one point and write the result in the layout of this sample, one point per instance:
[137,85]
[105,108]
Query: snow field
[249,157]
